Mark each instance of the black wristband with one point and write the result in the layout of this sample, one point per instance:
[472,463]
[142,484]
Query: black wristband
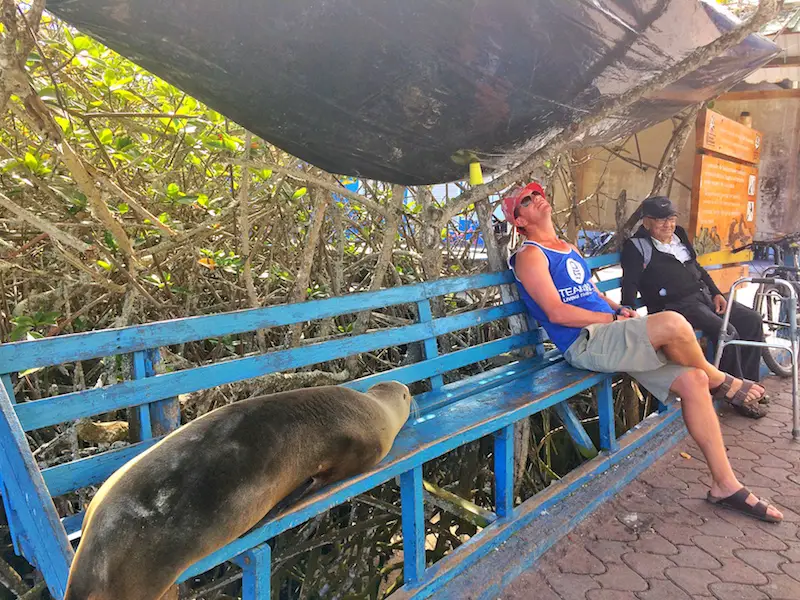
[616,316]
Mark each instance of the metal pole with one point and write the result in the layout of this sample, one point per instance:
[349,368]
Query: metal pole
[794,342]
[724,336]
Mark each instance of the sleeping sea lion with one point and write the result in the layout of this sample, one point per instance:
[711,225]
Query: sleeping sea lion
[212,480]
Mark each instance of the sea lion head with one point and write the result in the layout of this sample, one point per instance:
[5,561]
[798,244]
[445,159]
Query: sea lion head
[396,399]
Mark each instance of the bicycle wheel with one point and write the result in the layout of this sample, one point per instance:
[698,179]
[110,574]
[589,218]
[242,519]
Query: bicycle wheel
[770,303]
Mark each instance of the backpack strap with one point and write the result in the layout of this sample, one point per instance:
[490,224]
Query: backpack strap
[645,248]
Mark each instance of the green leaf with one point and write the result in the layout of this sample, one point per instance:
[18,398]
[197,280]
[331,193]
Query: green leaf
[163,217]
[31,161]
[105,265]
[125,95]
[23,321]
[187,199]
[299,193]
[19,333]
[123,208]
[123,142]
[231,143]
[202,200]
[108,238]
[29,371]
[48,94]
[62,122]
[81,43]
[173,190]
[109,77]
[47,318]
[106,136]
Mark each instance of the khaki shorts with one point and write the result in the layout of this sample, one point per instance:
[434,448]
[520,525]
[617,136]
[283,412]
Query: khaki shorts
[624,346]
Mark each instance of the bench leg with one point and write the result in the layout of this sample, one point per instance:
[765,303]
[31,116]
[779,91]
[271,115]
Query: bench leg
[575,429]
[504,471]
[256,567]
[413,525]
[605,409]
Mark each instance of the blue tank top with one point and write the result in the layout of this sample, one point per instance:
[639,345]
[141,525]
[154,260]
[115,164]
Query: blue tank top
[573,280]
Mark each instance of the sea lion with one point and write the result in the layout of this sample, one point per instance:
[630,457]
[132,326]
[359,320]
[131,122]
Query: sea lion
[212,480]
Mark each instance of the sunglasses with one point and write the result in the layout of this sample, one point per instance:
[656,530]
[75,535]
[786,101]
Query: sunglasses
[525,202]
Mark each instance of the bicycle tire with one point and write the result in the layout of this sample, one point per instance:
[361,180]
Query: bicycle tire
[778,361]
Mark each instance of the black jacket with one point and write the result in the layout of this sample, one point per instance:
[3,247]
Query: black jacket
[665,279]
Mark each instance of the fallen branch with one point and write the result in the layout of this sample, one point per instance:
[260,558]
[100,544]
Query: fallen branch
[43,225]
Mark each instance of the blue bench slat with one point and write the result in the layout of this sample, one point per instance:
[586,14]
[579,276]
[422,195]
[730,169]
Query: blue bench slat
[457,390]
[43,540]
[604,260]
[93,470]
[447,362]
[424,439]
[67,407]
[609,284]
[19,356]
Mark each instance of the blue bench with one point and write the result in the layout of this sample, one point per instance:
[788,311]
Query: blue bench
[450,415]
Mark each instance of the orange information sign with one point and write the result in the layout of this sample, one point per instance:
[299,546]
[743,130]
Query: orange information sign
[725,136]
[723,204]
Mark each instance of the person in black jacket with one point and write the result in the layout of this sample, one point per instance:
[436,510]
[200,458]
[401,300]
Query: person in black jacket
[660,263]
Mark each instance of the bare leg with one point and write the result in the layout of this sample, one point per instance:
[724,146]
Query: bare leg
[671,332]
[703,425]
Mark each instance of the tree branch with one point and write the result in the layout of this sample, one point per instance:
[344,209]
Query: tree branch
[339,189]
[43,225]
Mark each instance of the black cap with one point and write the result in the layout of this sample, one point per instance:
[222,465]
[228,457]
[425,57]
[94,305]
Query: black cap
[658,207]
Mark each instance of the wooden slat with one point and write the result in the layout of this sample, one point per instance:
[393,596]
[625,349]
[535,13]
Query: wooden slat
[81,346]
[425,439]
[413,525]
[605,409]
[140,371]
[504,471]
[449,362]
[94,470]
[604,260]
[58,409]
[575,430]
[256,566]
[609,284]
[43,538]
[430,345]
[724,257]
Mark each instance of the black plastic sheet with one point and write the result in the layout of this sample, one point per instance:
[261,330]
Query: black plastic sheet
[404,90]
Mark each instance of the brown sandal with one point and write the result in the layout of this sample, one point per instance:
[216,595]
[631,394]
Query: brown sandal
[738,502]
[753,409]
[763,398]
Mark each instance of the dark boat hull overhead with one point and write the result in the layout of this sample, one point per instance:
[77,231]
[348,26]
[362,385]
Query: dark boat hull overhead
[400,90]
